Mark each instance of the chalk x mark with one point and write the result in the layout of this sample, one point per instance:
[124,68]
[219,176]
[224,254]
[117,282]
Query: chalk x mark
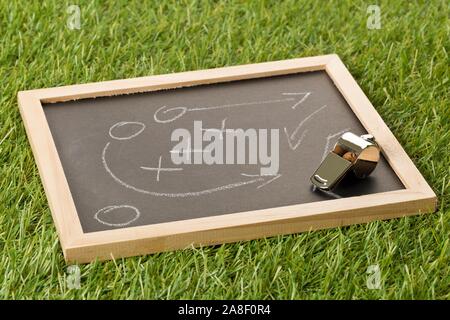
[159,169]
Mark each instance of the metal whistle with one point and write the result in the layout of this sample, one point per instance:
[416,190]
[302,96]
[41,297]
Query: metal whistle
[352,153]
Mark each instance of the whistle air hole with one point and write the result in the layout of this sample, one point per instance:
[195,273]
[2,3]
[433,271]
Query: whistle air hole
[350,156]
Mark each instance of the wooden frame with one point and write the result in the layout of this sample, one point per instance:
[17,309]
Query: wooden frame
[416,198]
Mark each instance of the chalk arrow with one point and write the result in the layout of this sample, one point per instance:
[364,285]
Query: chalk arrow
[292,141]
[293,138]
[273,178]
[303,97]
[166,114]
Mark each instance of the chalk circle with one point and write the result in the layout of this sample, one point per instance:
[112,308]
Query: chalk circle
[101,214]
[179,112]
[130,135]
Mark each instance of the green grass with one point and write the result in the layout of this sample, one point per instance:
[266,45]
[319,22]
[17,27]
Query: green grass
[403,68]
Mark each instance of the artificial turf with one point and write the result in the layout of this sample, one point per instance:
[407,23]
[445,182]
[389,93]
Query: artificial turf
[403,67]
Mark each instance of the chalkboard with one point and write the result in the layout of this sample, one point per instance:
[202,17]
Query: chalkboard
[105,143]
[105,152]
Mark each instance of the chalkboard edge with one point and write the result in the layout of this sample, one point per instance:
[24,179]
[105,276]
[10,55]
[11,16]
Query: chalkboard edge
[264,223]
[417,198]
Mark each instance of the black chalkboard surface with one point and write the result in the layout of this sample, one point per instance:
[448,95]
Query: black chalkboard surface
[115,151]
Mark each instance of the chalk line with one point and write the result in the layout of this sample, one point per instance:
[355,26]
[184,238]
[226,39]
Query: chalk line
[221,130]
[257,175]
[291,136]
[329,137]
[299,141]
[250,175]
[168,194]
[269,181]
[182,110]
[251,103]
[306,95]
[275,177]
[306,119]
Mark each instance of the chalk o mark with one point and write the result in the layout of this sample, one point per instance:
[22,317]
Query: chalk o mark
[172,195]
[164,110]
[125,123]
[106,210]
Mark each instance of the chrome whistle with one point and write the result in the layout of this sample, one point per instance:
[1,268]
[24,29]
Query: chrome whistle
[352,153]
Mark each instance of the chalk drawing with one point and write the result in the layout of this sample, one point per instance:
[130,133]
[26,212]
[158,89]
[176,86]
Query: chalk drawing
[292,145]
[250,175]
[305,96]
[221,130]
[329,138]
[165,109]
[159,169]
[124,123]
[251,103]
[269,181]
[168,194]
[106,210]
[275,177]
[290,137]
[180,111]
[189,150]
